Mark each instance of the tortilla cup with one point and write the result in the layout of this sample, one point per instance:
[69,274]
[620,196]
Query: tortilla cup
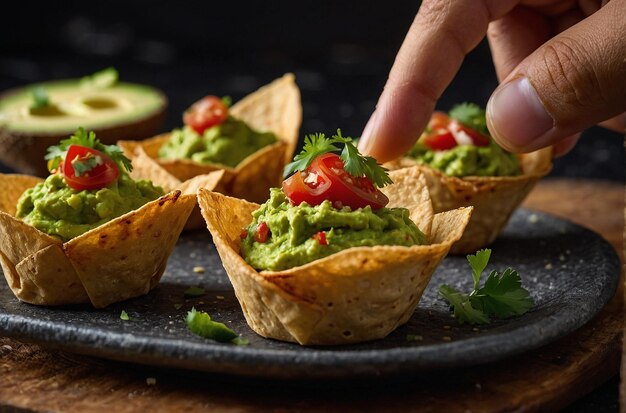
[275,107]
[120,259]
[494,198]
[355,295]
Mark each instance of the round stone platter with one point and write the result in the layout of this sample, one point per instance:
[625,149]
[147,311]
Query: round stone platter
[571,273]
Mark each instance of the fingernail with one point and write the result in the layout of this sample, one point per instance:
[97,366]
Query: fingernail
[365,141]
[515,115]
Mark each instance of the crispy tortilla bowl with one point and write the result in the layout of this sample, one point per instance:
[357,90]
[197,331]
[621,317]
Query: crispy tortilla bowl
[120,259]
[275,107]
[494,198]
[355,295]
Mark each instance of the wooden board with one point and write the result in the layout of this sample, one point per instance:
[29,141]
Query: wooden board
[33,378]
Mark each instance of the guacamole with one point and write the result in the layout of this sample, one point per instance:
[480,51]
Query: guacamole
[56,209]
[468,160]
[293,231]
[228,143]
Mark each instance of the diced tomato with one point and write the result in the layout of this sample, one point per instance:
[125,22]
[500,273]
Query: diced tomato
[243,234]
[262,232]
[326,179]
[208,111]
[444,133]
[321,238]
[478,139]
[103,173]
[439,142]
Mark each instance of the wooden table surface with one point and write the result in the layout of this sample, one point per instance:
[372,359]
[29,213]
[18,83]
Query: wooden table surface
[34,378]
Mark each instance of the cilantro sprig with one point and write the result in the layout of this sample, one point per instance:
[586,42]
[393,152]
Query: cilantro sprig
[501,296]
[57,153]
[470,115]
[354,163]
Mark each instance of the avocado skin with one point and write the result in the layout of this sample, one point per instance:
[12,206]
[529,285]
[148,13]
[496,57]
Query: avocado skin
[24,151]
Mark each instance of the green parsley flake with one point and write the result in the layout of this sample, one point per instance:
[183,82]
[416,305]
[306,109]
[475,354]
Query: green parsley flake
[200,323]
[124,316]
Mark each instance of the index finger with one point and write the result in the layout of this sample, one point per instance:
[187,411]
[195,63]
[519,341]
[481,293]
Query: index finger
[443,32]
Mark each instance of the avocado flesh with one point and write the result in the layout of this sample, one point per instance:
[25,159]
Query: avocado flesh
[123,111]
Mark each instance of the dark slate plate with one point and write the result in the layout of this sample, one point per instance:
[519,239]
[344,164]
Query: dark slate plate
[570,271]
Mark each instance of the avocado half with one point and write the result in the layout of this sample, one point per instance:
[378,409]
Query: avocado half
[123,111]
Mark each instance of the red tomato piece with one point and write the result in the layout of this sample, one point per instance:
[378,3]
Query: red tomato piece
[321,238]
[262,232]
[208,111]
[478,139]
[243,234]
[439,141]
[326,179]
[103,172]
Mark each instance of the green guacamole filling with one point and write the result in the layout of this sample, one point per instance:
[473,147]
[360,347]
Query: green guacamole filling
[228,143]
[293,238]
[468,160]
[56,209]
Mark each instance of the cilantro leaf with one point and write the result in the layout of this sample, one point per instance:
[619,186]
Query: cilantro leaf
[502,295]
[57,153]
[200,323]
[478,263]
[470,115]
[462,307]
[40,98]
[314,146]
[227,101]
[354,163]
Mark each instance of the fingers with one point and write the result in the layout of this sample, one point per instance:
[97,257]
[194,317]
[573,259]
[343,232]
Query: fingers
[572,82]
[516,35]
[565,145]
[443,32]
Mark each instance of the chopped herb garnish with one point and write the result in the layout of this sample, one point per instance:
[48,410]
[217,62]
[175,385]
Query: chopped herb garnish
[194,291]
[57,153]
[501,296]
[200,323]
[40,98]
[470,115]
[354,163]
[124,316]
[85,164]
[227,101]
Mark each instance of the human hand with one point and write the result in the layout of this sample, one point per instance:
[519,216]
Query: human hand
[561,64]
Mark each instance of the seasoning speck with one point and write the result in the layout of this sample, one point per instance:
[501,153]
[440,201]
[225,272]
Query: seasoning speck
[533,218]
[151,381]
[548,266]
[198,270]
[446,338]
[219,297]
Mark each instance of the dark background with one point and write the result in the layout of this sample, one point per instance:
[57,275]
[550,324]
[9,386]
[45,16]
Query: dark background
[340,52]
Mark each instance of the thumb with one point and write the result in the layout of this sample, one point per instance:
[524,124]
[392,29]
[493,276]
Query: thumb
[572,82]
